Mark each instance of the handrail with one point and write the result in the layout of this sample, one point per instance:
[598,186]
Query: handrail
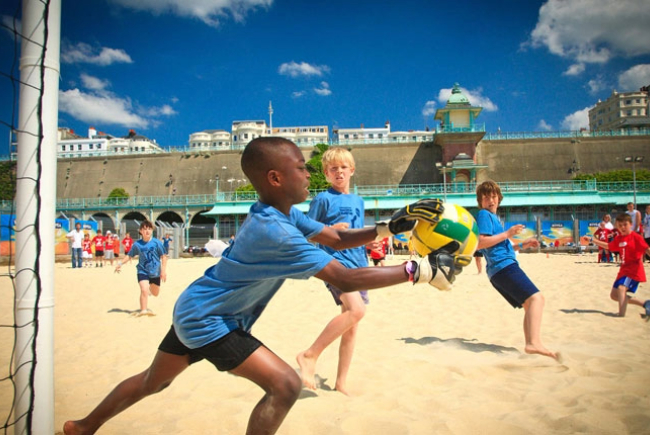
[560,186]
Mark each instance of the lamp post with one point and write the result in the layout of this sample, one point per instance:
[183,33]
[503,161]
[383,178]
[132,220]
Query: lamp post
[573,169]
[216,184]
[443,169]
[634,160]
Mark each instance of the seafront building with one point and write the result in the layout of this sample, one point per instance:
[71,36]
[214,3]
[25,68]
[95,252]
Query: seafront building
[622,111]
[70,145]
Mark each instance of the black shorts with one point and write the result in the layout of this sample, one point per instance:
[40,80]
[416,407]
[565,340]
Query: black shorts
[376,261]
[227,353]
[99,253]
[152,280]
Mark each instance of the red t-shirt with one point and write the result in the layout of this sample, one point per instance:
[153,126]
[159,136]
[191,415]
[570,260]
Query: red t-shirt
[85,245]
[631,249]
[127,244]
[380,252]
[109,243]
[98,241]
[602,234]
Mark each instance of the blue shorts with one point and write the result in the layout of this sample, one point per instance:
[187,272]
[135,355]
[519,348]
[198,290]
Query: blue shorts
[336,294]
[226,353]
[514,285]
[631,284]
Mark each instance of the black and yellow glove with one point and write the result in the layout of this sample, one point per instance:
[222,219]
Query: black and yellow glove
[404,219]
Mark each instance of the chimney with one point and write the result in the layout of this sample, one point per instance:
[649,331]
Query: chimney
[92,132]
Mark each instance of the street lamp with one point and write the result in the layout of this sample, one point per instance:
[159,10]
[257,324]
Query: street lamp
[443,169]
[216,184]
[634,160]
[573,169]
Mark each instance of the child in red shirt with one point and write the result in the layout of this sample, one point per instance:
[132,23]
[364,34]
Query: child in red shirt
[86,251]
[603,234]
[127,241]
[98,241]
[631,247]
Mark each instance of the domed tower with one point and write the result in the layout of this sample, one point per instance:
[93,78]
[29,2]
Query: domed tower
[458,135]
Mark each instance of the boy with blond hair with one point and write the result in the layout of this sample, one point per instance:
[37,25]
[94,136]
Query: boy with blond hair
[631,247]
[503,269]
[340,209]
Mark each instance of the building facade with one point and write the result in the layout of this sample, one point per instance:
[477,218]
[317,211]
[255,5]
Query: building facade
[70,145]
[621,111]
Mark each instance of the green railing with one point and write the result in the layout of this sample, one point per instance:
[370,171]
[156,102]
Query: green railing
[566,186]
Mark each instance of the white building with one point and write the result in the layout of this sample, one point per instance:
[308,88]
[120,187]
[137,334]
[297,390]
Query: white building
[621,111]
[351,136]
[210,140]
[97,144]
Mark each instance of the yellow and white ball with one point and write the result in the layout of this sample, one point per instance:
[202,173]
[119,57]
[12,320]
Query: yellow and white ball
[455,224]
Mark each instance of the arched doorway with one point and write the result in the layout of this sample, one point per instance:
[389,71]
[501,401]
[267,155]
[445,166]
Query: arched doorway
[132,221]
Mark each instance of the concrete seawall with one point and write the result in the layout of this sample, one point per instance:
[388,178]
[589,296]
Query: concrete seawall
[413,163]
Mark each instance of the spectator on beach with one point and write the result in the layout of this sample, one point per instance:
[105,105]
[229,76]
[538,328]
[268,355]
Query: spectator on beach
[87,253]
[109,248]
[167,242]
[116,246]
[378,251]
[76,236]
[98,242]
[127,242]
[646,229]
[635,215]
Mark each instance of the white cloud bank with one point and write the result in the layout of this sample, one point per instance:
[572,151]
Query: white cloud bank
[577,120]
[592,31]
[475,97]
[210,12]
[98,106]
[634,78]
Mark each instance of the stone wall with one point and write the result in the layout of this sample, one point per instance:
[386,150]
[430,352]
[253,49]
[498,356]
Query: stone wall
[193,174]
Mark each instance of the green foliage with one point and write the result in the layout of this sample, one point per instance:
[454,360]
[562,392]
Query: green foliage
[315,168]
[614,176]
[7,180]
[118,192]
[245,188]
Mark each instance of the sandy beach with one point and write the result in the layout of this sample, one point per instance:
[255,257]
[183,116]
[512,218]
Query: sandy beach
[426,362]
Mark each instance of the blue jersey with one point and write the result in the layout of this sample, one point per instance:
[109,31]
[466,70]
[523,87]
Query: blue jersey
[149,255]
[500,255]
[332,207]
[233,293]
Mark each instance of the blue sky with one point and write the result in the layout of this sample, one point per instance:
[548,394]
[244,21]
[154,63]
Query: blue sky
[168,68]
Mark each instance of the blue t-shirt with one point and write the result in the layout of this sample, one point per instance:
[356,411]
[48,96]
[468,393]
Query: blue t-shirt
[233,293]
[500,255]
[332,207]
[149,254]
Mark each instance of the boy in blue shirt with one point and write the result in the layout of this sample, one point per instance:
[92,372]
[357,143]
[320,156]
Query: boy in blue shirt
[503,269]
[214,315]
[338,208]
[152,265]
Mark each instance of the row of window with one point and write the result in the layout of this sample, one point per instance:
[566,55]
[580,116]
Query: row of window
[91,146]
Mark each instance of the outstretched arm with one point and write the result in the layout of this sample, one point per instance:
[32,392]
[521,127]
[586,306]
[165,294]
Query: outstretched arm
[489,241]
[363,278]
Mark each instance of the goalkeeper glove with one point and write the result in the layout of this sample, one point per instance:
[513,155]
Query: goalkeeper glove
[404,219]
[439,268]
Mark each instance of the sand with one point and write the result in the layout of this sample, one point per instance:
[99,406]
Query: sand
[426,361]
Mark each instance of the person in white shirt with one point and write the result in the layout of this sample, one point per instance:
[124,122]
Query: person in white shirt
[76,236]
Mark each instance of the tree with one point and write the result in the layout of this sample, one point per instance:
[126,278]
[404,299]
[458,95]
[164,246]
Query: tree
[116,195]
[7,181]
[315,168]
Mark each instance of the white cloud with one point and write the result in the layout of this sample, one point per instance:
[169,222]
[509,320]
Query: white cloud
[634,78]
[544,126]
[100,109]
[211,12]
[596,85]
[475,98]
[99,106]
[429,108]
[575,70]
[577,120]
[297,94]
[294,69]
[84,53]
[94,83]
[324,89]
[593,31]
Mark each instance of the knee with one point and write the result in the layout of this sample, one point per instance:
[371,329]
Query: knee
[288,389]
[357,313]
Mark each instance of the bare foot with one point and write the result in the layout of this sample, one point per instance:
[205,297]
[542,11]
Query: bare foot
[73,428]
[342,390]
[307,370]
[541,350]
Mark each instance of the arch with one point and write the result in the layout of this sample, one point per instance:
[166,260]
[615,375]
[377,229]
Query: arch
[201,229]
[104,221]
[131,222]
[170,217]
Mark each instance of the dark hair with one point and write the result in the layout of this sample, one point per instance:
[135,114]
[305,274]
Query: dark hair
[146,224]
[486,188]
[623,217]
